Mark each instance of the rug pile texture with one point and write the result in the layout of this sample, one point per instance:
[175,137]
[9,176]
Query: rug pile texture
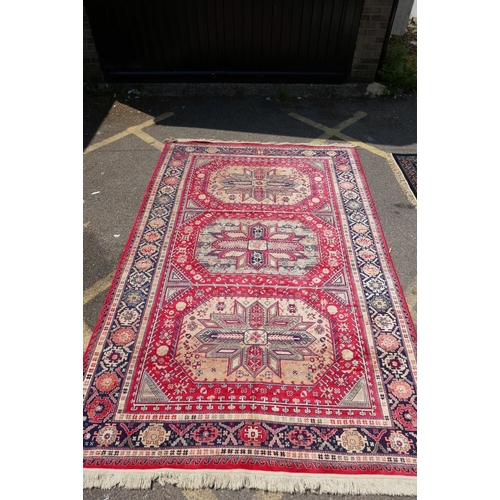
[408,165]
[255,333]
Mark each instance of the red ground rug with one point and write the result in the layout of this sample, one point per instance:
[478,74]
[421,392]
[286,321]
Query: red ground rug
[255,334]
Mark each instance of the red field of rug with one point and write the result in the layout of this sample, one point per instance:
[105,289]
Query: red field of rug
[255,334]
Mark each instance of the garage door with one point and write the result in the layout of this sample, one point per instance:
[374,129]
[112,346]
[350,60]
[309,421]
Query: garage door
[225,40]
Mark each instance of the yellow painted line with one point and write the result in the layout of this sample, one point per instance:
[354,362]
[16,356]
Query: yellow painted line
[87,332]
[354,118]
[314,124]
[130,130]
[401,180]
[267,495]
[361,144]
[204,494]
[107,141]
[97,288]
[329,131]
[336,132]
[149,139]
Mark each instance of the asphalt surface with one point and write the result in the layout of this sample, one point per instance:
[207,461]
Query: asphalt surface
[115,176]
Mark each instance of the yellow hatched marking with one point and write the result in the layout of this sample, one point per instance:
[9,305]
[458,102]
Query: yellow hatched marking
[362,145]
[107,141]
[330,132]
[97,288]
[149,139]
[336,132]
[354,118]
[130,130]
[308,121]
[199,494]
[267,495]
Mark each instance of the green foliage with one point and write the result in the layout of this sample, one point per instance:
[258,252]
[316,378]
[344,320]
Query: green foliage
[282,94]
[399,71]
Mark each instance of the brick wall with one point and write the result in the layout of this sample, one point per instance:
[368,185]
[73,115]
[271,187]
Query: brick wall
[91,67]
[372,30]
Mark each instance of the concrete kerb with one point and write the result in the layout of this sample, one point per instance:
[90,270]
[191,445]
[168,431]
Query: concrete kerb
[287,90]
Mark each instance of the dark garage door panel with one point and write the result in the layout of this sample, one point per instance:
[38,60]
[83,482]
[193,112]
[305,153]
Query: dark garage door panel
[225,39]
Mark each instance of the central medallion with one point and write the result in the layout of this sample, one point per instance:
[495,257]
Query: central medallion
[267,340]
[255,337]
[256,185]
[251,246]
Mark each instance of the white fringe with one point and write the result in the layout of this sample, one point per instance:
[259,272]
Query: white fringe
[268,481]
[404,184]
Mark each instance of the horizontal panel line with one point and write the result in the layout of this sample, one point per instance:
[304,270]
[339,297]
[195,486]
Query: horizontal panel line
[217,72]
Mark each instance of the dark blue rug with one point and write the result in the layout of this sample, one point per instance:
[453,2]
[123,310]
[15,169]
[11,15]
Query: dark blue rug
[408,165]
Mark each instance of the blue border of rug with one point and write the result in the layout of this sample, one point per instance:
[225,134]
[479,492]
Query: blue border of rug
[408,165]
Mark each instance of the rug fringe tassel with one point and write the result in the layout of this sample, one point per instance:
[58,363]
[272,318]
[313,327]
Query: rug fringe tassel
[403,182]
[273,482]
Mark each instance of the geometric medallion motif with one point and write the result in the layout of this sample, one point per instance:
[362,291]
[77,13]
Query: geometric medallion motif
[253,246]
[263,341]
[256,326]
[278,186]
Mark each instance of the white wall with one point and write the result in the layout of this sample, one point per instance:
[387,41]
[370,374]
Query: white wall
[413,12]
[402,16]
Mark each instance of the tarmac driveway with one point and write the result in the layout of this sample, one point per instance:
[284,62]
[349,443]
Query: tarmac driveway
[123,136]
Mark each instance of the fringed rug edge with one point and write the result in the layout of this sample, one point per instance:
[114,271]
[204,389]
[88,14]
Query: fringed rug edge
[402,177]
[267,481]
[334,144]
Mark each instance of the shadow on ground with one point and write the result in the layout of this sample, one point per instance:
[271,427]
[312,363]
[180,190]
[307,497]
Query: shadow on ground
[241,109]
